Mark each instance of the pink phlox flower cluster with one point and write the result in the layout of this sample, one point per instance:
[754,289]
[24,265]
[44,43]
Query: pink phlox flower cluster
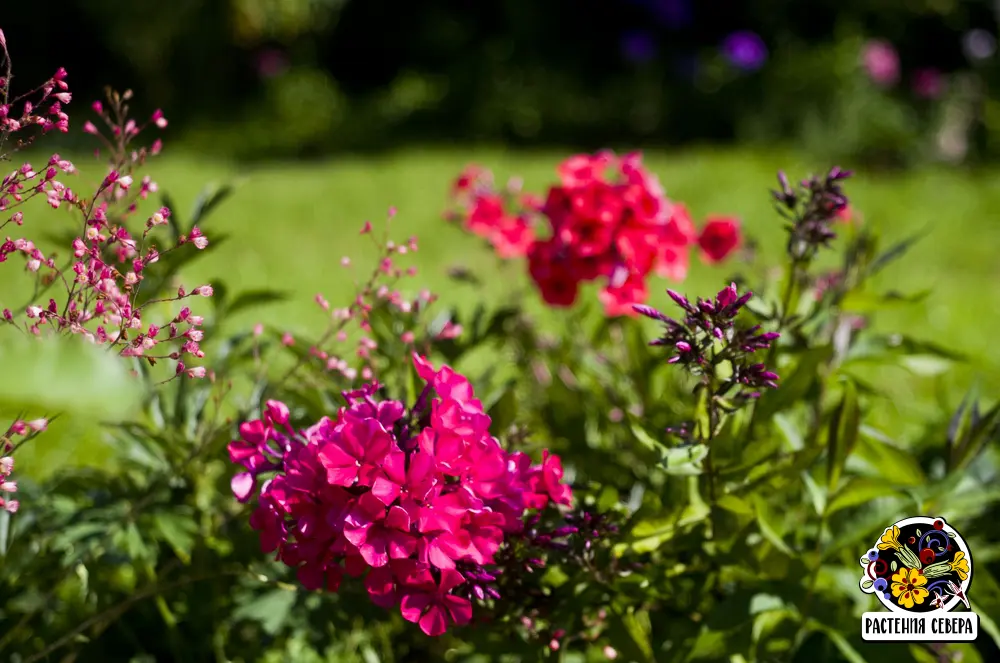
[417,501]
[351,324]
[41,107]
[8,486]
[105,273]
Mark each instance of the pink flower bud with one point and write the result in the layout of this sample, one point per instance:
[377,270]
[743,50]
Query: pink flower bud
[287,339]
[158,119]
[366,228]
[407,337]
[38,425]
[258,329]
[610,653]
[197,372]
[204,291]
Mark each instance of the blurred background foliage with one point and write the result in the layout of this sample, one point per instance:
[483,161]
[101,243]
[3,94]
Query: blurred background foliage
[288,78]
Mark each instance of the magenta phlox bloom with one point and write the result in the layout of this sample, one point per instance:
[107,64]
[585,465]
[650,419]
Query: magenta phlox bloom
[418,513]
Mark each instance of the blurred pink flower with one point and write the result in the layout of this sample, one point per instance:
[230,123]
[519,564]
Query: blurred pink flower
[928,83]
[881,62]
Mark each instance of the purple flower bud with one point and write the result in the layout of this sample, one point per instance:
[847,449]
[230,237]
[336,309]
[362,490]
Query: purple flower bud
[649,312]
[492,593]
[717,333]
[683,346]
[726,296]
[680,300]
[478,591]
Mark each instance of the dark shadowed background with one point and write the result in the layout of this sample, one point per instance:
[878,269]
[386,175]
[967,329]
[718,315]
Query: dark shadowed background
[888,82]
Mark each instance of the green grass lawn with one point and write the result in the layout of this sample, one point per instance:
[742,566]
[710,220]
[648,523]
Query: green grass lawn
[291,224]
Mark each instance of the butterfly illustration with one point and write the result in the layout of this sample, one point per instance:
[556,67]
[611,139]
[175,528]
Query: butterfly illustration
[955,590]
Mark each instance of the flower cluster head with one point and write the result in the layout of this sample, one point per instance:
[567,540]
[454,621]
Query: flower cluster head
[418,501]
[349,343]
[608,220]
[710,342]
[503,218]
[109,258]
[811,210]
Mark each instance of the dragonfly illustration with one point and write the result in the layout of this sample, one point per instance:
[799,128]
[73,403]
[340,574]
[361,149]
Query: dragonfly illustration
[955,590]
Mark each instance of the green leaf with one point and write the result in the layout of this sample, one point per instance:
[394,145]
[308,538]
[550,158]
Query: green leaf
[765,521]
[897,466]
[981,433]
[702,420]
[270,610]
[794,388]
[849,653]
[646,439]
[895,252]
[734,504]
[639,629]
[987,623]
[843,434]
[817,493]
[649,534]
[4,532]
[135,547]
[858,491]
[254,298]
[684,460]
[210,197]
[925,365]
[66,374]
[178,531]
[174,220]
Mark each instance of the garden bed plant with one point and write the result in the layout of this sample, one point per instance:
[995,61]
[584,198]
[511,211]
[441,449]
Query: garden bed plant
[613,482]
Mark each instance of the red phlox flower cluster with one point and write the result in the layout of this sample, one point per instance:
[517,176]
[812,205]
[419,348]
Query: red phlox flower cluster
[608,220]
[485,211]
[103,277]
[417,501]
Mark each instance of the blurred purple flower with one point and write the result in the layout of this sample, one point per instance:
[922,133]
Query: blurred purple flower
[745,50]
[928,83]
[881,62]
[673,13]
[271,62]
[638,47]
[979,44]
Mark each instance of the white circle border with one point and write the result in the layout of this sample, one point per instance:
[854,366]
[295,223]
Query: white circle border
[959,541]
